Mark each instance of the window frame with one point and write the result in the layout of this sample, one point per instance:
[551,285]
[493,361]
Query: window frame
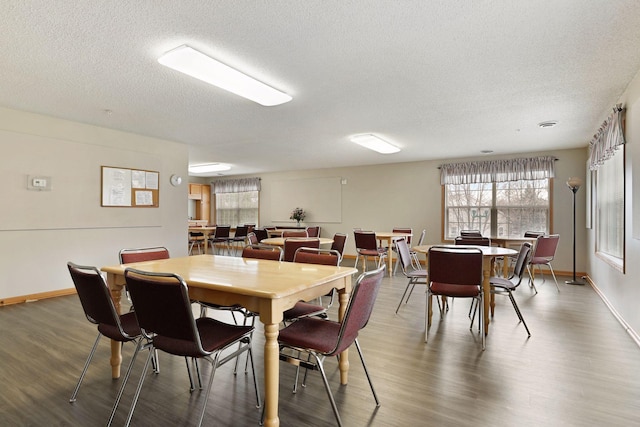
[493,210]
[215,207]
[618,263]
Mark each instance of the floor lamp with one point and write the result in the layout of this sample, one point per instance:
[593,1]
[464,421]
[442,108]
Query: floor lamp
[574,184]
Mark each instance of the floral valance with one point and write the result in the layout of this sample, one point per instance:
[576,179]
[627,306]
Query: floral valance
[498,170]
[609,137]
[235,185]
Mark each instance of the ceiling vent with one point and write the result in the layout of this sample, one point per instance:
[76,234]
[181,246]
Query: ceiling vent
[547,124]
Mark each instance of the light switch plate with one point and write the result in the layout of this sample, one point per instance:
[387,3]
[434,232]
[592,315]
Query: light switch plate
[39,183]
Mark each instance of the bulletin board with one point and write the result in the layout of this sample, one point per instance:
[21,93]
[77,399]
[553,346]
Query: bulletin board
[125,187]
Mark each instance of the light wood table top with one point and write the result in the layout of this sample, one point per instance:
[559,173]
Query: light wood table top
[279,241]
[262,286]
[388,236]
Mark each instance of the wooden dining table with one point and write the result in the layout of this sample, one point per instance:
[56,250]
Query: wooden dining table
[206,231]
[261,286]
[489,254]
[388,236]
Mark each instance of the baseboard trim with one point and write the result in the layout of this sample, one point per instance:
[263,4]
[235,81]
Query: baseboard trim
[633,334]
[35,297]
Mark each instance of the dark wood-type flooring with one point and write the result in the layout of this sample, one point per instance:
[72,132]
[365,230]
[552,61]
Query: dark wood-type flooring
[579,368]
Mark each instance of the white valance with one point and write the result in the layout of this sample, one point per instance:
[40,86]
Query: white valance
[498,170]
[609,137]
[235,185]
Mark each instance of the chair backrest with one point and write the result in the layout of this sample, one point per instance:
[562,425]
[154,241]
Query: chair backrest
[164,312]
[313,231]
[252,238]
[521,261]
[316,256]
[406,230]
[339,242]
[222,231]
[128,256]
[261,233]
[241,231]
[258,251]
[365,240]
[546,246]
[455,266]
[534,234]
[359,309]
[295,233]
[470,233]
[468,240]
[95,298]
[404,254]
[292,244]
[422,236]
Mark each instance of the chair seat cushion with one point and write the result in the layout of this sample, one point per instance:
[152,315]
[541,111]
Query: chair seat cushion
[372,252]
[539,260]
[303,309]
[311,333]
[417,273]
[501,282]
[447,289]
[129,325]
[214,335]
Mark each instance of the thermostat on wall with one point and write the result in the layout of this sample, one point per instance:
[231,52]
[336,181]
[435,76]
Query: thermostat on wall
[39,183]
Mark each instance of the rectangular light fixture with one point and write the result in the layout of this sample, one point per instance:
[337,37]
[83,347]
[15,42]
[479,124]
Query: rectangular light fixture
[374,143]
[209,167]
[196,64]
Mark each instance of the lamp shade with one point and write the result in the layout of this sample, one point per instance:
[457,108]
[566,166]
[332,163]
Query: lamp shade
[574,183]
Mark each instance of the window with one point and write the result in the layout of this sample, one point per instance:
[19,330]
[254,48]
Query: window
[500,209]
[237,201]
[606,157]
[237,208]
[610,209]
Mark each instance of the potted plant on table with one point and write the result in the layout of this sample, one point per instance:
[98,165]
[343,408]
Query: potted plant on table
[298,214]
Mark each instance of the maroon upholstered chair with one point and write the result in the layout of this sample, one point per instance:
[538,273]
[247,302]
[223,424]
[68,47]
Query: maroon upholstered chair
[311,339]
[295,233]
[543,253]
[339,242]
[292,244]
[471,240]
[261,234]
[367,246]
[416,276]
[313,231]
[252,238]
[455,272]
[470,233]
[534,234]
[259,251]
[130,255]
[163,310]
[99,309]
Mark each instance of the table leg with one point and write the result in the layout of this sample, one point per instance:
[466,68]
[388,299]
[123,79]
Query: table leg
[486,289]
[271,375]
[116,353]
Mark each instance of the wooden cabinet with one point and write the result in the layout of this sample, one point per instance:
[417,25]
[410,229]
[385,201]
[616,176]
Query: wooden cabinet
[195,191]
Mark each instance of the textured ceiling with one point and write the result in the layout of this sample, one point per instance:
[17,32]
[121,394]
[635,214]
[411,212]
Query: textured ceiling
[440,79]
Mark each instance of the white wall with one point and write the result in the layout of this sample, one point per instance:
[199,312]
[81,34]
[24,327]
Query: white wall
[622,290]
[41,231]
[409,195]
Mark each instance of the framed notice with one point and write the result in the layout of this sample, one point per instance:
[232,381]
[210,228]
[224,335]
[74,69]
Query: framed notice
[124,187]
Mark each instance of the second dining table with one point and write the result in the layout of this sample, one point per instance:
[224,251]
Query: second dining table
[261,286]
[389,236]
[489,254]
[279,241]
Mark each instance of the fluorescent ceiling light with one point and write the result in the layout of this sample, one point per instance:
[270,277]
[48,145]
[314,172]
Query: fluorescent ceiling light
[375,143]
[210,167]
[196,64]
